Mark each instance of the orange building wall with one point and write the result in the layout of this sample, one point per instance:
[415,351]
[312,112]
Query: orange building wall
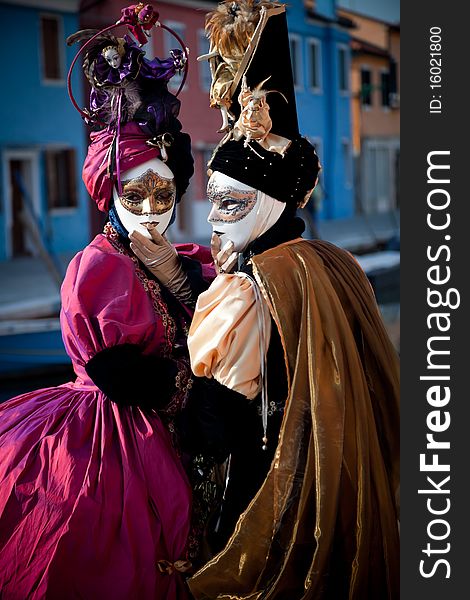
[370,30]
[376,120]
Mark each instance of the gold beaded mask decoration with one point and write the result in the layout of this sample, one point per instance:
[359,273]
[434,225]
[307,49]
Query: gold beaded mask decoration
[148,193]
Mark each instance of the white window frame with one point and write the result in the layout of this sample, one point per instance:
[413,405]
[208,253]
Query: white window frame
[8,155]
[298,76]
[205,86]
[347,68]
[311,41]
[180,28]
[61,49]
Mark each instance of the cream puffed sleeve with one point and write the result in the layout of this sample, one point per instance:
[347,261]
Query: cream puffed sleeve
[230,333]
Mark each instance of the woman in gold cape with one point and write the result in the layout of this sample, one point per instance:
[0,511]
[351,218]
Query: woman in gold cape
[325,522]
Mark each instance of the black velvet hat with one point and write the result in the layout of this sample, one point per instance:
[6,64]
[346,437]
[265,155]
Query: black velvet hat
[277,161]
[271,60]
[289,178]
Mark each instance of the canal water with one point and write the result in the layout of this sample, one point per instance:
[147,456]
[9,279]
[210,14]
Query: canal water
[49,377]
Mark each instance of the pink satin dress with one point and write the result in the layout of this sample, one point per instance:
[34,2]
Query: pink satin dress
[92,494]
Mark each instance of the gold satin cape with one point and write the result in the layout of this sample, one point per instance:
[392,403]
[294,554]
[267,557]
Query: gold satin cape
[324,524]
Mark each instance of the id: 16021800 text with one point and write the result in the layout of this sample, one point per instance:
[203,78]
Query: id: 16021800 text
[435,70]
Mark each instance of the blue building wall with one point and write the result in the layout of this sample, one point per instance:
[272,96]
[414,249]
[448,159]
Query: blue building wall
[36,116]
[325,8]
[325,115]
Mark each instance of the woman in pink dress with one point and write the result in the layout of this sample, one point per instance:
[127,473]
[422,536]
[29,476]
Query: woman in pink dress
[94,499]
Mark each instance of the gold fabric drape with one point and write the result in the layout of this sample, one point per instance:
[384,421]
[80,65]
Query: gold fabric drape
[324,524]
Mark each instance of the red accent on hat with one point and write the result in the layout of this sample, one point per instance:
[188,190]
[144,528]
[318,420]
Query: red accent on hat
[133,151]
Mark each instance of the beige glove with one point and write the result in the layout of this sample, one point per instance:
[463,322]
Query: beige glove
[162,260]
[224,258]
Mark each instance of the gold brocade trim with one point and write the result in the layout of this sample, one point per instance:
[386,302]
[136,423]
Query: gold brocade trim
[151,287]
[183,381]
[183,384]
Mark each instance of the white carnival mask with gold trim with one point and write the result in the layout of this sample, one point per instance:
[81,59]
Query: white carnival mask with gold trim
[147,198]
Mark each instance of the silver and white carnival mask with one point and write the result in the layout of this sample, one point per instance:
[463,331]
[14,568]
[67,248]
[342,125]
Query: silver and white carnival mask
[148,197]
[239,212]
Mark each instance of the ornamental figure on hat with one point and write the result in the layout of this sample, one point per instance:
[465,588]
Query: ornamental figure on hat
[95,501]
[254,122]
[127,86]
[291,328]
[233,29]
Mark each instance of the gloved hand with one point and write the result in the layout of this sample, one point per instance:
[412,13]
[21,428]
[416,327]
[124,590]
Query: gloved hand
[162,260]
[224,258]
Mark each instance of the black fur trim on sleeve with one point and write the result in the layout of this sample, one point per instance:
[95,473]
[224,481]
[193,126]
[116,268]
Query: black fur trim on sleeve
[130,378]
